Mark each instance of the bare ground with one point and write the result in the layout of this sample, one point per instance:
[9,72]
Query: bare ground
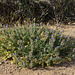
[67,68]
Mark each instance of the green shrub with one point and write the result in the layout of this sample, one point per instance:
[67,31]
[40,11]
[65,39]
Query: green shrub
[46,10]
[30,46]
[42,11]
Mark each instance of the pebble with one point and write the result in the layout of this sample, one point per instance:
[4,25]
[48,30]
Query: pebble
[1,62]
[20,68]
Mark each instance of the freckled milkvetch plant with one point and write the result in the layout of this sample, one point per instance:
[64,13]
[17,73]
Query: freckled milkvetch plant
[29,46]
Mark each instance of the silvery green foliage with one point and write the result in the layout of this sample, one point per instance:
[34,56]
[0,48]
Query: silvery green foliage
[30,46]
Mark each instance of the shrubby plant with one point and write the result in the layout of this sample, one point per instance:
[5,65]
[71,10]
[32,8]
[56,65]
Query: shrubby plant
[31,45]
[43,10]
[56,10]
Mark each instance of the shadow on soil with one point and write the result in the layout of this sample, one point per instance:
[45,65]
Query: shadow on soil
[59,66]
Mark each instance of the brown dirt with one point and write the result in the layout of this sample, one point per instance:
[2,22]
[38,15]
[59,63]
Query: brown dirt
[67,68]
[68,29]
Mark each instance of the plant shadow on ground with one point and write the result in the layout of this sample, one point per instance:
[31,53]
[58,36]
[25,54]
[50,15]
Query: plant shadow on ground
[53,67]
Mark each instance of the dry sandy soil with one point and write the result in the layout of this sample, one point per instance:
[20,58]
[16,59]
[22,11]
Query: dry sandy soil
[67,68]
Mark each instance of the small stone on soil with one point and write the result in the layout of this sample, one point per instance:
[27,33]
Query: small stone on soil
[1,62]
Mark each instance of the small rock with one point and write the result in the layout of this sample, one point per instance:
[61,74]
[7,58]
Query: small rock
[1,62]
[20,68]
